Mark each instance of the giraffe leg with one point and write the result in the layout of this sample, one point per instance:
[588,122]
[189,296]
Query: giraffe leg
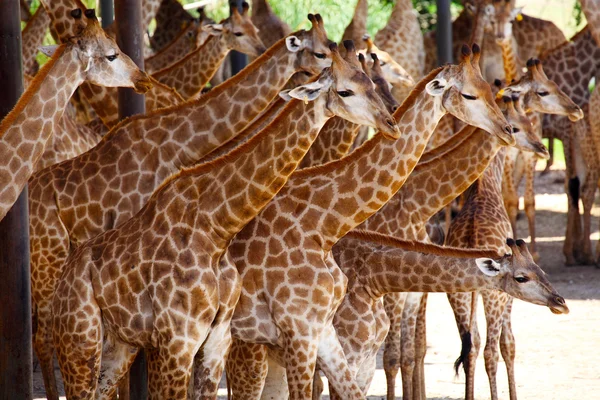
[407,343]
[117,357]
[530,204]
[588,195]
[366,373]
[44,349]
[276,387]
[572,189]
[551,159]
[461,305]
[420,350]
[317,385]
[393,304]
[246,370]
[494,303]
[332,362]
[300,355]
[507,348]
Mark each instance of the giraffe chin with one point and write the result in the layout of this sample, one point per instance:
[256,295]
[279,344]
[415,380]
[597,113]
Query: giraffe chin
[576,116]
[558,306]
[143,85]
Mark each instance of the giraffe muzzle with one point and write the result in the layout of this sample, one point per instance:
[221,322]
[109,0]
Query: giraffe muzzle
[558,305]
[576,115]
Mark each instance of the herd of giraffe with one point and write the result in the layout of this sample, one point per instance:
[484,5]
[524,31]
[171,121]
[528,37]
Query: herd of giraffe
[252,229]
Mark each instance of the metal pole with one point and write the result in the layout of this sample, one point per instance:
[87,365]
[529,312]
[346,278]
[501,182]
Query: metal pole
[107,12]
[130,38]
[15,302]
[443,36]
[238,60]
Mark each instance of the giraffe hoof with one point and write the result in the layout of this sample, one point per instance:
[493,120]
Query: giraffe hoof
[570,262]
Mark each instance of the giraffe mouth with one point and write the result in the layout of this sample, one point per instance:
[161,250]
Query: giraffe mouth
[557,305]
[143,84]
[576,115]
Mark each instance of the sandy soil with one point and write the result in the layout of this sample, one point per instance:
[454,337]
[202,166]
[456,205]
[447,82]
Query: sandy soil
[557,355]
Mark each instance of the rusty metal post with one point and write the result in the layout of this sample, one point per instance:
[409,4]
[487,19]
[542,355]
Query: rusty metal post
[443,32]
[107,12]
[130,38]
[15,301]
[238,60]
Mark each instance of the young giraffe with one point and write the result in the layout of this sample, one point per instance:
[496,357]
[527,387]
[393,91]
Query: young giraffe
[114,180]
[33,36]
[170,18]
[102,99]
[274,313]
[190,74]
[572,66]
[25,131]
[179,252]
[406,214]
[377,264]
[272,28]
[189,38]
[25,11]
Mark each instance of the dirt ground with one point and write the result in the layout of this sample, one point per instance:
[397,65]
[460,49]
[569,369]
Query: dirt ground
[558,356]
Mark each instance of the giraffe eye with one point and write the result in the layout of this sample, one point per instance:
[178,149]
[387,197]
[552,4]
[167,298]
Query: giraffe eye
[521,279]
[238,34]
[345,93]
[468,96]
[112,58]
[543,94]
[516,130]
[382,63]
[319,55]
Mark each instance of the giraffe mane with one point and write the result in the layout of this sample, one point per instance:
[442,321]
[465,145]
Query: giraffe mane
[427,248]
[234,80]
[31,90]
[369,144]
[200,168]
[562,46]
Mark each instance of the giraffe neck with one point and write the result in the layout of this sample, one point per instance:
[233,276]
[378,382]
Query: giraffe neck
[176,49]
[33,36]
[441,176]
[261,7]
[388,269]
[25,131]
[358,26]
[478,30]
[169,18]
[483,222]
[149,10]
[380,165]
[334,142]
[400,9]
[591,9]
[234,188]
[509,58]
[60,14]
[191,74]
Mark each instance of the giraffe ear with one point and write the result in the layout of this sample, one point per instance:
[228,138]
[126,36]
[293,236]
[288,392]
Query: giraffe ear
[312,90]
[213,29]
[488,266]
[48,51]
[294,44]
[436,87]
[515,13]
[285,94]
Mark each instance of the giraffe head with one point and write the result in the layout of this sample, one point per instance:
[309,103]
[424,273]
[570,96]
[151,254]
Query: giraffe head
[498,16]
[538,93]
[518,275]
[194,31]
[382,87]
[103,62]
[311,46]
[523,128]
[349,93]
[238,32]
[392,71]
[464,94]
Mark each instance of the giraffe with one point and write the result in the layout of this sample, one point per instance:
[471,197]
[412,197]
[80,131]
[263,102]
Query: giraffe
[525,165]
[451,168]
[25,131]
[102,99]
[327,202]
[571,66]
[25,11]
[33,36]
[192,242]
[190,74]
[120,173]
[149,10]
[272,28]
[377,264]
[188,39]
[358,25]
[393,72]
[170,18]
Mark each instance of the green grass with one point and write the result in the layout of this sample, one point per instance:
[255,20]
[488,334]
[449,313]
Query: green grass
[559,154]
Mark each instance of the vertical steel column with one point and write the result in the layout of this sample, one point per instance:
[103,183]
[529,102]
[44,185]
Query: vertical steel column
[15,302]
[130,38]
[238,60]
[107,12]
[443,36]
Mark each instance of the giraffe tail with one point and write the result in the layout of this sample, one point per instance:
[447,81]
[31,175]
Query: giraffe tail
[574,187]
[464,352]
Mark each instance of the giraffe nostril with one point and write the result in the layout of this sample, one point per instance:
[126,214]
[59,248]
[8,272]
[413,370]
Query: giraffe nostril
[394,108]
[508,129]
[390,122]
